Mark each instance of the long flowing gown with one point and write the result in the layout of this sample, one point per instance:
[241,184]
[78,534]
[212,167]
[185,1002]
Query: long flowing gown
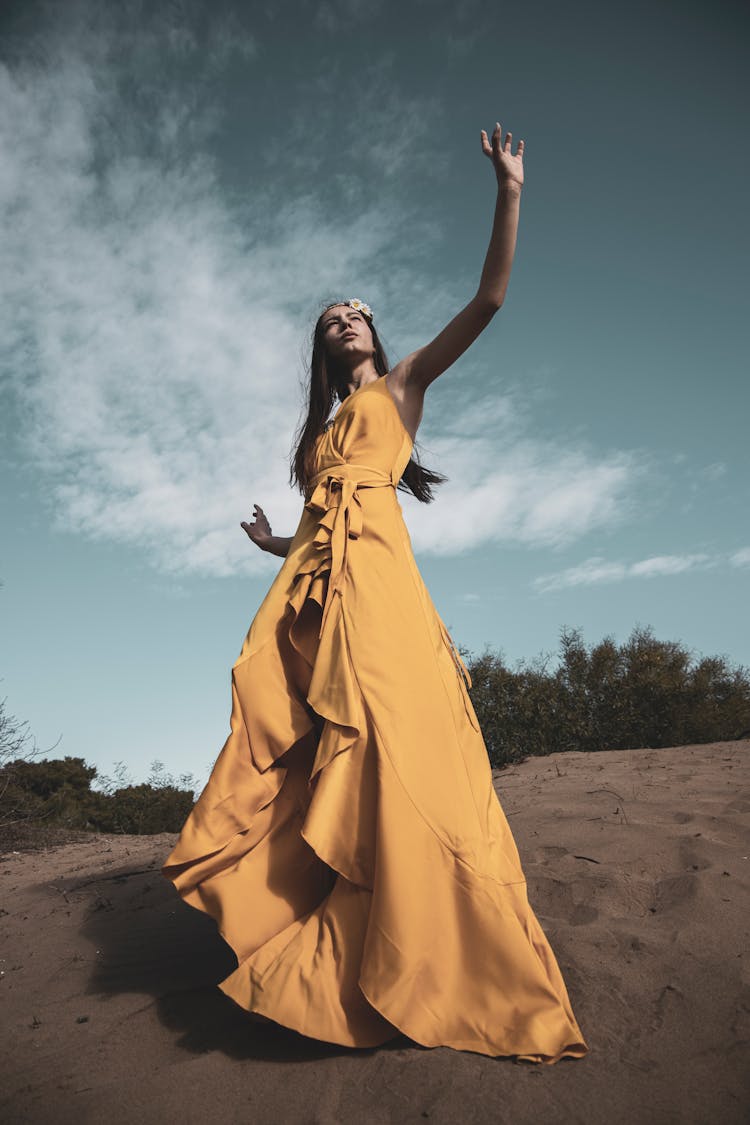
[349,843]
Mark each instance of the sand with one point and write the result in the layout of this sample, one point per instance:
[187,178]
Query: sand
[638,868]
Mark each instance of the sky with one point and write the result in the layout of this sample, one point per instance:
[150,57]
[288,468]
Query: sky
[184,186]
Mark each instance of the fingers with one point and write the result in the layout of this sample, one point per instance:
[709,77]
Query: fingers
[496,146]
[257,514]
[489,148]
[497,140]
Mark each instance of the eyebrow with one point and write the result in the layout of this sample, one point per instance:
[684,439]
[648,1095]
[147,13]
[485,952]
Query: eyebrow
[328,320]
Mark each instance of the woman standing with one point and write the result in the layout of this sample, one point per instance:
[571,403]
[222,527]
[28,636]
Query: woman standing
[349,842]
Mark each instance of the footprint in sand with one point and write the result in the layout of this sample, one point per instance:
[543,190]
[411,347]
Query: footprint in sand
[674,892]
[738,805]
[690,857]
[555,900]
[669,1005]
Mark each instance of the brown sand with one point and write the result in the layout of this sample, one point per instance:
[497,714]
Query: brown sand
[638,869]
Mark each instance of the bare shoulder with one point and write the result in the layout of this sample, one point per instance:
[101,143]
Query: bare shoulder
[407,393]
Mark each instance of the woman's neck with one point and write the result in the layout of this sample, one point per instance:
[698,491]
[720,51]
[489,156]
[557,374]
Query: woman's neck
[361,373]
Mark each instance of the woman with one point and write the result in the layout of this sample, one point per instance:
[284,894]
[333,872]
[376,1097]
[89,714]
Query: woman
[349,842]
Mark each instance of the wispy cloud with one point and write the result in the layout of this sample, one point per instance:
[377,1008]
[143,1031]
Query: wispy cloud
[152,334]
[741,557]
[359,139]
[507,485]
[668,564]
[596,570]
[338,15]
[152,323]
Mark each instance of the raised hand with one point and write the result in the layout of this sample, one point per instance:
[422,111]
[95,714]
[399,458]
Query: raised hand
[508,168]
[260,530]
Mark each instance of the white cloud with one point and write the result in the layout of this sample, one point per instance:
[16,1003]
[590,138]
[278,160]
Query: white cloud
[152,331]
[666,564]
[597,570]
[741,557]
[153,337]
[505,485]
[591,572]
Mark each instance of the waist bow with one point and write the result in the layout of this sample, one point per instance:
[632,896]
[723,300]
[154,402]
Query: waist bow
[335,496]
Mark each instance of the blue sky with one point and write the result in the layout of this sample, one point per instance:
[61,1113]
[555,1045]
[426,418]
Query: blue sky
[183,185]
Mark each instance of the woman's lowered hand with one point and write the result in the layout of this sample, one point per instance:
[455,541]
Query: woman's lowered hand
[260,529]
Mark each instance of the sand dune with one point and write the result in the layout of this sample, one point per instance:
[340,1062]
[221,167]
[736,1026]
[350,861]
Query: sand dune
[638,869]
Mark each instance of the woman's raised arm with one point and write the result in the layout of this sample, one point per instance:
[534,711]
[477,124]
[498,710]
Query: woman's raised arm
[413,374]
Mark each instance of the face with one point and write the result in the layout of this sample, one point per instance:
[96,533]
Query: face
[345,332]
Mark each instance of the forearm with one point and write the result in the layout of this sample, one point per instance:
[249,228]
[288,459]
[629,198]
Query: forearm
[278,545]
[499,260]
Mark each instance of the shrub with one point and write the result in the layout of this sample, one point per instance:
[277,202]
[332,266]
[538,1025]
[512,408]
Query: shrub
[58,794]
[644,692]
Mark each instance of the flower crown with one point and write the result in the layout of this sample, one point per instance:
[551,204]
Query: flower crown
[360,306]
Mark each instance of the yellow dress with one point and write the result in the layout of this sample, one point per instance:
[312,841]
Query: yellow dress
[349,842]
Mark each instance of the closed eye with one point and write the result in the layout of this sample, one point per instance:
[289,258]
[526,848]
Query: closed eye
[335,319]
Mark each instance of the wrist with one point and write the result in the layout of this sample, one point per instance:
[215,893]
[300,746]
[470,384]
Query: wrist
[509,187]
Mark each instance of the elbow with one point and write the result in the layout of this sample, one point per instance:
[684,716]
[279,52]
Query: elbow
[488,304]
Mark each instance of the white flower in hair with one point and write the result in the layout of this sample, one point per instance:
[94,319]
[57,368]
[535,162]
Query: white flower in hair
[360,306]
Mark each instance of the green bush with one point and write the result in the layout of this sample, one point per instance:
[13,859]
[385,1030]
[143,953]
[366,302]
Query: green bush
[642,693]
[57,793]
[142,810]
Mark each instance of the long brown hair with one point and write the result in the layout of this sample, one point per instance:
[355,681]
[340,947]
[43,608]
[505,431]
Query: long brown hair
[324,385]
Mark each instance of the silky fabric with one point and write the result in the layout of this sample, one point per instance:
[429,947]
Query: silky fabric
[349,843]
